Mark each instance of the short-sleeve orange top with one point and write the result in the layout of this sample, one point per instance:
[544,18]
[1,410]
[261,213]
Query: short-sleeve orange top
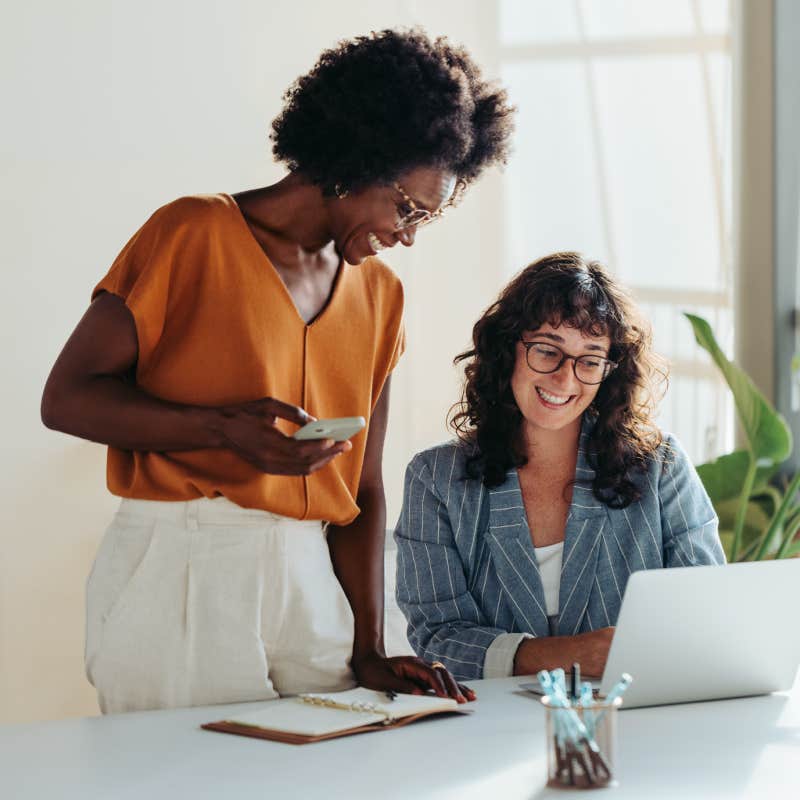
[216,325]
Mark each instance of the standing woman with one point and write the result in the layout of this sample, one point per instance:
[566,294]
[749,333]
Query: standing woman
[244,564]
[517,540]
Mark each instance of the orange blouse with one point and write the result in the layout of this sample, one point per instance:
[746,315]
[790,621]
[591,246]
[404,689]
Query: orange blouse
[216,325]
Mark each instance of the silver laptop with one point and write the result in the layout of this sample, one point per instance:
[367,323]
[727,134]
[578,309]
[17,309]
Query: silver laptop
[706,633]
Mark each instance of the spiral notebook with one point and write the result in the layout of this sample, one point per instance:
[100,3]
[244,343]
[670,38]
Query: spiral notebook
[315,717]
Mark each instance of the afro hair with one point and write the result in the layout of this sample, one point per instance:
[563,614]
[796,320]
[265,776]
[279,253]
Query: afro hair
[377,106]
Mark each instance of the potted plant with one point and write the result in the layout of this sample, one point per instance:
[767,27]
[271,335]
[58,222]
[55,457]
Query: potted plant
[758,519]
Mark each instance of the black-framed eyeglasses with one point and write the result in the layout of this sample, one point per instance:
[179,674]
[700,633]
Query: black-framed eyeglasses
[411,215]
[545,358]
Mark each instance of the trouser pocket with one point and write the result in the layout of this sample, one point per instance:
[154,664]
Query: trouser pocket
[123,551]
[174,617]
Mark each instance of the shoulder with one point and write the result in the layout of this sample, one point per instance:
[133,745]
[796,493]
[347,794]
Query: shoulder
[193,212]
[442,466]
[671,473]
[670,455]
[380,279]
[186,218]
[379,271]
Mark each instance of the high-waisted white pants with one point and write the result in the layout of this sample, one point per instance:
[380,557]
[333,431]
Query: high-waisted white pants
[201,602]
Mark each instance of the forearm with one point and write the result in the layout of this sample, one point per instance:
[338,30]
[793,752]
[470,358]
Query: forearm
[589,649]
[108,410]
[357,556]
[545,652]
[699,546]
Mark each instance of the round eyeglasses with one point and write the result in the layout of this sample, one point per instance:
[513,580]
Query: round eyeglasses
[544,358]
[411,215]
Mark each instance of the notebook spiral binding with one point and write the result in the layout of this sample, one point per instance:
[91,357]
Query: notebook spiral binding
[330,702]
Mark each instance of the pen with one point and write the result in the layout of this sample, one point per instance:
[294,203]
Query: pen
[619,688]
[616,691]
[559,679]
[575,682]
[586,702]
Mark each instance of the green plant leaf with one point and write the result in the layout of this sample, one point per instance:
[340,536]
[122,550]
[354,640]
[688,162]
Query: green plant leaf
[793,551]
[755,523]
[723,478]
[769,498]
[768,435]
[791,518]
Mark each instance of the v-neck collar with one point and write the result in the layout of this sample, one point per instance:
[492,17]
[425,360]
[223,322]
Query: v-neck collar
[271,270]
[514,556]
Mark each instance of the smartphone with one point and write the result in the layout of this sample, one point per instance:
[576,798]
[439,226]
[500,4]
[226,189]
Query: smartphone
[338,429]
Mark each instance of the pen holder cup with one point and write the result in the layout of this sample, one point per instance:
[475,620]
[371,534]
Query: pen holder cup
[581,745]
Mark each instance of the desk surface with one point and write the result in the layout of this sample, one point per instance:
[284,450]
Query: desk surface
[746,748]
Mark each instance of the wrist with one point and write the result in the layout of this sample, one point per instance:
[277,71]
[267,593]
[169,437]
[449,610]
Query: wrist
[361,654]
[368,627]
[215,421]
[543,652]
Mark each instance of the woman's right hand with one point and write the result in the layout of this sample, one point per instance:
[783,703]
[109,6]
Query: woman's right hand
[589,649]
[92,393]
[249,430]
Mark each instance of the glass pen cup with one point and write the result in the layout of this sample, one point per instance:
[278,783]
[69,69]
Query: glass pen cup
[581,745]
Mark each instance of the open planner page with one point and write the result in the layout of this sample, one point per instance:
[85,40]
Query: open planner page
[316,714]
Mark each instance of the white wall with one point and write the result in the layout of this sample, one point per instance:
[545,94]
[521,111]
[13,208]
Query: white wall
[111,109]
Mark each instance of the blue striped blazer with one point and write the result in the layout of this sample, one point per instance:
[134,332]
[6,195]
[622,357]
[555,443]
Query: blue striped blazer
[467,577]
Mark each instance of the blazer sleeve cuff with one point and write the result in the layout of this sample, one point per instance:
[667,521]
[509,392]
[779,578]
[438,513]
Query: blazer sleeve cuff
[499,662]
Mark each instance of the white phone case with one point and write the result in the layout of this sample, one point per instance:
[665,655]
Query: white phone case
[338,429]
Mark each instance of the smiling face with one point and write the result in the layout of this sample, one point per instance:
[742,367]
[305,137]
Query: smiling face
[365,222]
[555,401]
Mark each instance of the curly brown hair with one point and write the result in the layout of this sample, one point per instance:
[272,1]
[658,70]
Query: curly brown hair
[563,289]
[378,106]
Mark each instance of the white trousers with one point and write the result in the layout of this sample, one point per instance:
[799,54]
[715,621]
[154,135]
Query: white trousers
[201,602]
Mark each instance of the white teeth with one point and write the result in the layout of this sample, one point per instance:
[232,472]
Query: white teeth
[375,242]
[552,398]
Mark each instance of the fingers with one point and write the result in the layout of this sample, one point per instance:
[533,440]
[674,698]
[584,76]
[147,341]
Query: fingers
[323,461]
[437,679]
[397,684]
[251,432]
[309,449]
[286,411]
[312,447]
[383,673]
[316,454]
[288,456]
[467,692]
[411,675]
[451,687]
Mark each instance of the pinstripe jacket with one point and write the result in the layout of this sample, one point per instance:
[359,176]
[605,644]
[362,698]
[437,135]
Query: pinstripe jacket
[467,577]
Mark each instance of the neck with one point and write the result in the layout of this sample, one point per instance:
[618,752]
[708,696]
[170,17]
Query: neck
[552,449]
[293,213]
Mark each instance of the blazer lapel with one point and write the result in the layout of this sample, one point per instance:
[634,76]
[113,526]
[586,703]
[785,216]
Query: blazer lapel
[586,521]
[514,558]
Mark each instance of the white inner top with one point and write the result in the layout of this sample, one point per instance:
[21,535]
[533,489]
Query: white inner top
[549,559]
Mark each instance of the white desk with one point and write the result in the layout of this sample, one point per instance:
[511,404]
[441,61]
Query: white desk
[748,748]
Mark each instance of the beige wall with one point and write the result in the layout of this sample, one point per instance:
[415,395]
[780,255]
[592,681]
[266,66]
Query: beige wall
[753,195]
[110,110]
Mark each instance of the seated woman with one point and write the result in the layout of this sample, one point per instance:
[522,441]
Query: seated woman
[515,542]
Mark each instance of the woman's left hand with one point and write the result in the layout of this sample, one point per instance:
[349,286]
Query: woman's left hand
[408,674]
